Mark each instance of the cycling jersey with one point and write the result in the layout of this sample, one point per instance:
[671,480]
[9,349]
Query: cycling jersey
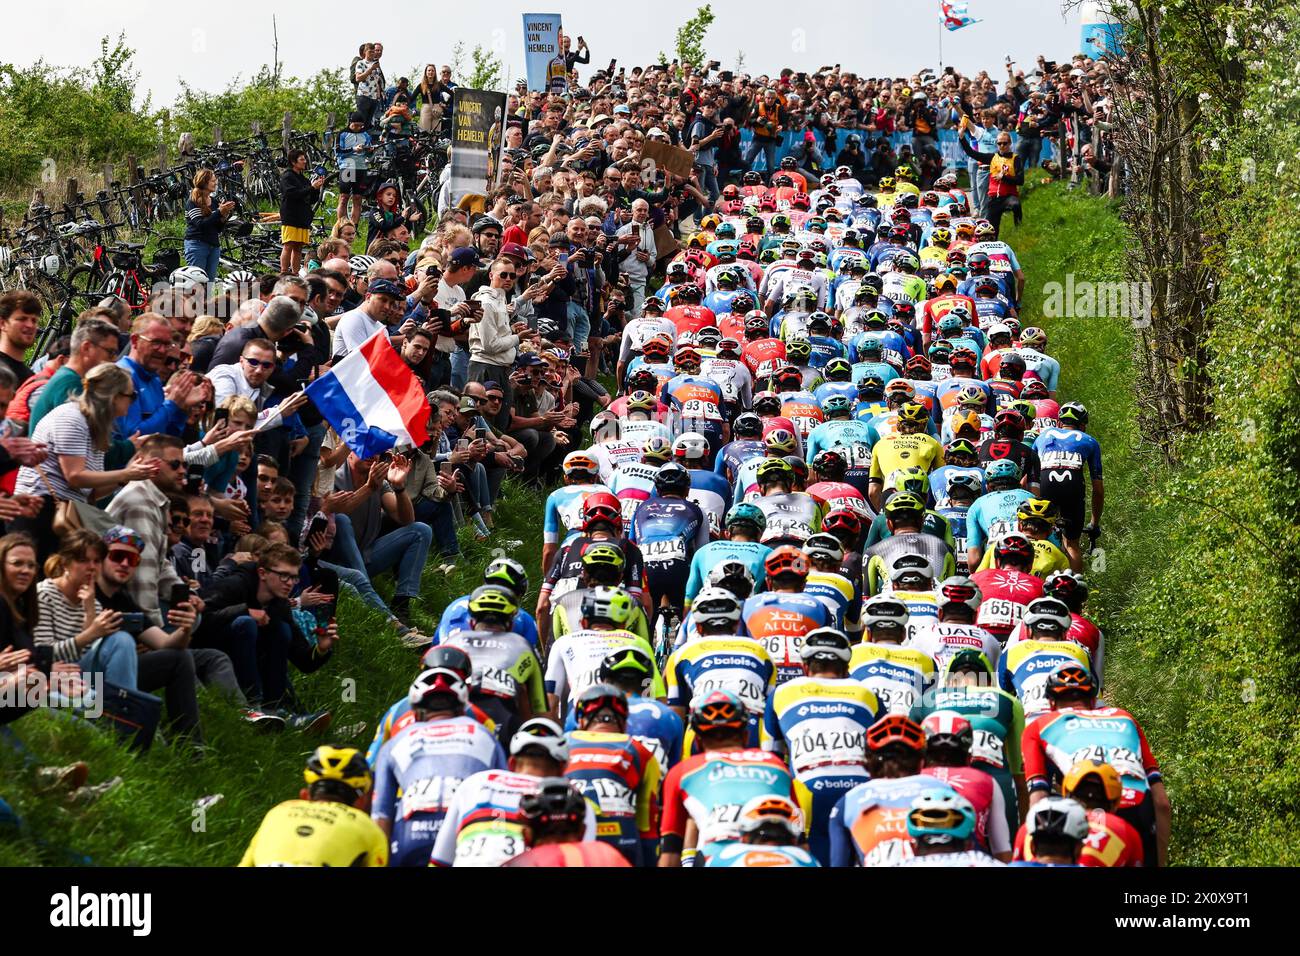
[932,523]
[941,480]
[574,662]
[1047,558]
[713,494]
[848,435]
[735,453]
[1082,631]
[570,854]
[456,617]
[737,664]
[794,515]
[620,777]
[827,389]
[880,557]
[942,639]
[562,516]
[690,318]
[566,615]
[842,598]
[566,570]
[733,378]
[1063,453]
[899,676]
[779,620]
[841,494]
[416,778]
[399,716]
[696,404]
[993,448]
[482,826]
[936,308]
[1057,740]
[749,553]
[1025,666]
[763,357]
[993,515]
[802,409]
[868,825]
[1111,842]
[668,531]
[960,858]
[1005,594]
[632,484]
[1043,367]
[640,330]
[711,788]
[917,450]
[743,854]
[507,677]
[992,834]
[316,833]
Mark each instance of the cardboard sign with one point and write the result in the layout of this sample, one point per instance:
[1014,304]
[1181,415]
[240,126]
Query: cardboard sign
[676,160]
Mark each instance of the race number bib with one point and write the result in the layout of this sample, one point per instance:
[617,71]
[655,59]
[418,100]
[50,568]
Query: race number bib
[497,681]
[667,550]
[428,795]
[999,613]
[698,408]
[489,844]
[989,747]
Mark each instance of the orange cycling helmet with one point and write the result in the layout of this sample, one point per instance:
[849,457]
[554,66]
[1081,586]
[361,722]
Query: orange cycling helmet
[786,560]
[1092,767]
[718,710]
[895,729]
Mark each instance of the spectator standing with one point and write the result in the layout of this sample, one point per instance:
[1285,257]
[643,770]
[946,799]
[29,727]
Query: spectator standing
[203,223]
[298,197]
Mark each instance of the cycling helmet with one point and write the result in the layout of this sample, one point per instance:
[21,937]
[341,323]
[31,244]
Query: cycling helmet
[1057,818]
[958,446]
[1014,545]
[241,277]
[895,729]
[747,425]
[608,604]
[884,611]
[782,181]
[631,662]
[1009,420]
[598,506]
[642,380]
[752,178]
[767,404]
[579,463]
[823,546]
[1026,410]
[691,446]
[838,370]
[653,304]
[1074,415]
[780,440]
[826,644]
[717,710]
[511,573]
[967,420]
[978,263]
[780,221]
[959,589]
[439,688]
[556,803]
[725,230]
[844,521]
[687,359]
[1047,614]
[340,769]
[756,324]
[746,513]
[972,396]
[985,232]
[772,470]
[742,303]
[600,696]
[492,600]
[1011,367]
[918,365]
[801,202]
[911,478]
[947,728]
[672,479]
[786,560]
[603,554]
[728,347]
[886,184]
[797,350]
[1034,388]
[798,467]
[772,816]
[447,657]
[1066,586]
[1037,508]
[965,482]
[940,817]
[873,386]
[642,401]
[1003,469]
[914,413]
[656,450]
[1092,767]
[834,405]
[716,606]
[830,465]
[904,501]
[709,336]
[657,347]
[360,265]
[901,387]
[1032,337]
[188,277]
[544,734]
[963,356]
[733,576]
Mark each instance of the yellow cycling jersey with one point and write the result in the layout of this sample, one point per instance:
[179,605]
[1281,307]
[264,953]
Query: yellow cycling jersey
[1025,665]
[1047,559]
[316,833]
[897,451]
[933,253]
[898,676]
[820,722]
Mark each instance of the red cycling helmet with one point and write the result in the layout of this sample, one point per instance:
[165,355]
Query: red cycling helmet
[842,519]
[602,506]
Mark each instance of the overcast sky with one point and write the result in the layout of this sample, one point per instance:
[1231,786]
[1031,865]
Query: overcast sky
[203,46]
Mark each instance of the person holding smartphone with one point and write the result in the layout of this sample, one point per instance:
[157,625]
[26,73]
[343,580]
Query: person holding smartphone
[494,340]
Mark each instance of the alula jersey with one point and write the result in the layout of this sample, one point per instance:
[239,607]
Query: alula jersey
[1056,741]
[749,553]
[562,518]
[779,620]
[820,723]
[869,823]
[421,767]
[711,788]
[1025,666]
[696,402]
[898,676]
[749,855]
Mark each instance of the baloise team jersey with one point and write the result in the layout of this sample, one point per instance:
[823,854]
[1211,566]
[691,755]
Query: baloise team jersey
[898,676]
[779,620]
[483,827]
[711,788]
[841,597]
[316,833]
[737,664]
[820,723]
[1056,741]
[869,823]
[1025,666]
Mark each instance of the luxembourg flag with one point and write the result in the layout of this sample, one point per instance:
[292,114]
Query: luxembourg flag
[956,15]
[372,399]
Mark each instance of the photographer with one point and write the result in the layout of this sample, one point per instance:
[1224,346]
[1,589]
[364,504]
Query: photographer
[298,196]
[203,224]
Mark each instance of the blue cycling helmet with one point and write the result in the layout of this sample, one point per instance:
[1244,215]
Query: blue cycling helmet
[1002,468]
[836,404]
[940,816]
[746,512]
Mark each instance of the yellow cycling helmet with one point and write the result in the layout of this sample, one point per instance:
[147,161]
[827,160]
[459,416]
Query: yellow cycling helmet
[911,479]
[711,221]
[904,501]
[492,599]
[339,769]
[1037,508]
[608,604]
[698,240]
[606,555]
[1092,767]
[913,412]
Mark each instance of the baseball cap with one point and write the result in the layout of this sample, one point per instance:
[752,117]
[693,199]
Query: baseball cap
[467,405]
[516,251]
[465,256]
[625,110]
[527,359]
[385,287]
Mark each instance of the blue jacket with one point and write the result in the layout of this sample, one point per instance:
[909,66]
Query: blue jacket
[150,413]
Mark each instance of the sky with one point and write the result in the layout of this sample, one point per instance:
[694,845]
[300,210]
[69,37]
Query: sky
[870,37]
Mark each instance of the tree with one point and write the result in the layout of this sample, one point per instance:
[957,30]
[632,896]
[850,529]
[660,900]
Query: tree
[690,37]
[486,74]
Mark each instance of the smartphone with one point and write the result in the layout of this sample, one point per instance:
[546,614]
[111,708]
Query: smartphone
[564,259]
[462,444]
[180,594]
[433,271]
[319,525]
[612,62]
[481,433]
[43,658]
[446,467]
[133,622]
[220,415]
[193,479]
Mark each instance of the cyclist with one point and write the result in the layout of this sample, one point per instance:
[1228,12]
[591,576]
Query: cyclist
[963,491]
[994,513]
[552,821]
[904,518]
[634,482]
[868,825]
[1065,451]
[704,794]
[771,829]
[790,515]
[419,769]
[1007,586]
[602,566]
[746,443]
[1008,442]
[743,527]
[909,446]
[1111,840]
[779,617]
[483,825]
[912,583]
[602,524]
[709,490]
[949,738]
[503,571]
[695,402]
[1036,520]
[616,773]
[819,722]
[1074,728]
[899,676]
[325,826]
[669,529]
[940,825]
[650,721]
[955,628]
[575,659]
[1032,346]
[507,678]
[563,515]
[1026,665]
[1072,591]
[840,431]
[825,581]
[1055,833]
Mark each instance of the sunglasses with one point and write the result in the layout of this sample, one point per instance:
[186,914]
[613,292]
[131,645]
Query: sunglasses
[124,557]
[493,398]
[258,363]
[180,521]
[508,275]
[177,464]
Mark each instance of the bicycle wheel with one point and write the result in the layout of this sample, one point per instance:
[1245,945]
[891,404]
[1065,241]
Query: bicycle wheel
[84,279]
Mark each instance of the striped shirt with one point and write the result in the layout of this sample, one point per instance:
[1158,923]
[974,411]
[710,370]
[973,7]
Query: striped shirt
[142,507]
[66,432]
[60,621]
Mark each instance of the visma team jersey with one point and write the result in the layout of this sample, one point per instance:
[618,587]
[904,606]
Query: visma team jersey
[1025,666]
[711,788]
[574,661]
[869,824]
[1056,741]
[904,451]
[482,826]
[621,777]
[562,518]
[456,617]
[1045,368]
[779,620]
[732,377]
[712,493]
[318,833]
[632,484]
[421,767]
[734,454]
[669,530]
[898,676]
[749,553]
[941,640]
[742,854]
[993,515]
[737,664]
[1067,451]
[794,515]
[820,724]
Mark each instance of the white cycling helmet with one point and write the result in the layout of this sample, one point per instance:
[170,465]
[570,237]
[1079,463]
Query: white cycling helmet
[361,264]
[713,604]
[691,446]
[187,277]
[960,589]
[772,810]
[884,609]
[241,277]
[437,680]
[1057,817]
[605,426]
[51,264]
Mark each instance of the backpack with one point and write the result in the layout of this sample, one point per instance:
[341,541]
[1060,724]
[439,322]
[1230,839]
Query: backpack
[352,70]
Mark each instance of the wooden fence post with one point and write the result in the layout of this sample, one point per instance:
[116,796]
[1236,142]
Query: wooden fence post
[216,135]
[162,156]
[108,175]
[71,196]
[286,130]
[133,181]
[327,139]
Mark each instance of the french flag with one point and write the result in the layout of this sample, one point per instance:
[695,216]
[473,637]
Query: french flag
[372,399]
